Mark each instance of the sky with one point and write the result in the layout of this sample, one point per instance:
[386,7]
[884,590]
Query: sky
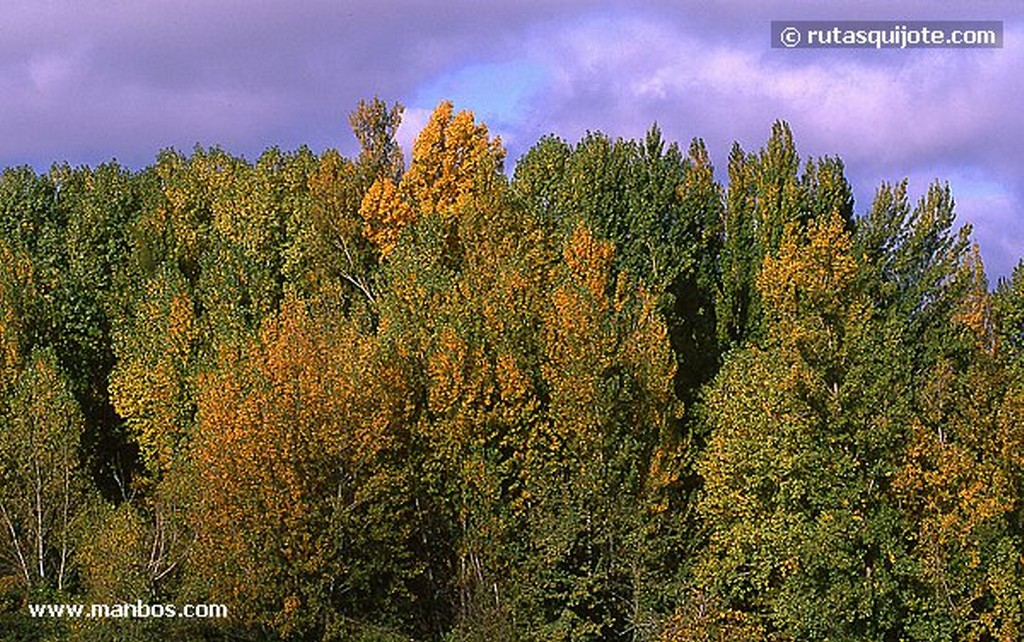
[87,81]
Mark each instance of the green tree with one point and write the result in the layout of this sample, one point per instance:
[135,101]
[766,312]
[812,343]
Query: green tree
[661,207]
[767,191]
[803,543]
[375,126]
[328,254]
[1008,310]
[42,489]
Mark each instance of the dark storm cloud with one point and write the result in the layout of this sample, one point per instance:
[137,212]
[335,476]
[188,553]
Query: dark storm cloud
[88,80]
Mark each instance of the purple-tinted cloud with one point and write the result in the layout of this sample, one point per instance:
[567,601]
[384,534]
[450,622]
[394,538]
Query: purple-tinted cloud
[88,80]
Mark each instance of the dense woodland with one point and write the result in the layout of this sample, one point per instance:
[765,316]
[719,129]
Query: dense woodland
[609,395]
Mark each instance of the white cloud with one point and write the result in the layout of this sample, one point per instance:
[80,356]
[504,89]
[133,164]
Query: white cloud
[918,113]
[922,103]
[413,120]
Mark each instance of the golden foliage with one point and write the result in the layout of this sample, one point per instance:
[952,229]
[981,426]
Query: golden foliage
[703,620]
[579,343]
[961,481]
[450,158]
[975,310]
[603,340]
[385,214]
[816,312]
[285,429]
[152,386]
[813,270]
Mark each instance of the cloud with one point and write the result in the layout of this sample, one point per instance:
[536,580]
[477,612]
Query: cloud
[935,114]
[908,105]
[413,121]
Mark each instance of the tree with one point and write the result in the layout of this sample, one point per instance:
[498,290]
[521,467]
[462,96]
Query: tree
[264,416]
[72,227]
[736,303]
[767,192]
[960,484]
[542,379]
[453,158]
[324,533]
[42,490]
[153,386]
[661,208]
[375,126]
[960,480]
[598,470]
[329,253]
[607,398]
[385,214]
[803,541]
[1008,310]
[910,259]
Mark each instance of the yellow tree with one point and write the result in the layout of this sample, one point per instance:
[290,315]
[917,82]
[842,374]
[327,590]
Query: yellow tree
[302,512]
[266,440]
[464,324]
[153,384]
[385,214]
[454,160]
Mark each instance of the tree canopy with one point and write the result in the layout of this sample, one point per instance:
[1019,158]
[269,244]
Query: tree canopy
[606,395]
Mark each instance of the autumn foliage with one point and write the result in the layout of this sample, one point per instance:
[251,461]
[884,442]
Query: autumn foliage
[606,397]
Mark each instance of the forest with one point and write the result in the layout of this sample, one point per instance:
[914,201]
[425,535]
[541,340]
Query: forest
[606,395]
